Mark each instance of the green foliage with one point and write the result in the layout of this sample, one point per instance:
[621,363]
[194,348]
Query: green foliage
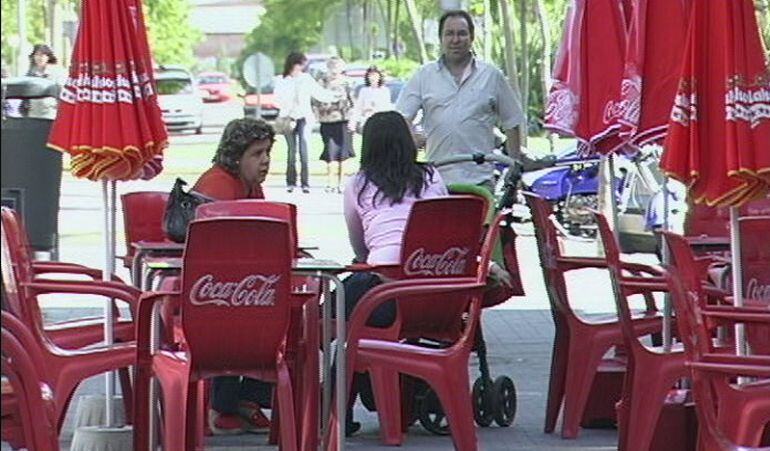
[172,38]
[286,27]
[36,26]
[398,68]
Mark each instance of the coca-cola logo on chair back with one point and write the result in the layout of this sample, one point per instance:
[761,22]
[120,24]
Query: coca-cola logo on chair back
[235,308]
[755,258]
[442,239]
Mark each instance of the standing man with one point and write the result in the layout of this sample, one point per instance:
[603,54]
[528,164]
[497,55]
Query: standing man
[462,99]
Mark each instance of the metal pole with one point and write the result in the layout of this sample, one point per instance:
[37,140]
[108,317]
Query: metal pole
[667,314]
[259,88]
[109,388]
[735,252]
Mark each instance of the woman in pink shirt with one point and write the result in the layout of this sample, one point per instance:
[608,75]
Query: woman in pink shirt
[378,201]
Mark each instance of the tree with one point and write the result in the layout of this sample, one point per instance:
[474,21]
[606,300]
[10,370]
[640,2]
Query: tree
[172,38]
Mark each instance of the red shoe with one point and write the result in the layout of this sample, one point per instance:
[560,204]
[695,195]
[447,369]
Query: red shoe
[222,424]
[253,420]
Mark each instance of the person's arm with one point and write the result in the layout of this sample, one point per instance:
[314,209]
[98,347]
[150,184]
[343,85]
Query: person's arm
[282,96]
[410,99]
[355,113]
[353,221]
[318,92]
[510,115]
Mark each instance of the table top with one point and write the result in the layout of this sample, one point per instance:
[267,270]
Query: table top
[300,264]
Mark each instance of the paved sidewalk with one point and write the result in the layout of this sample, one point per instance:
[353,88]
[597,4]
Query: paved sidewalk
[519,343]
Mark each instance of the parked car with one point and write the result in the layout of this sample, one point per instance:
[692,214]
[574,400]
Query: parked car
[215,86]
[265,99]
[180,101]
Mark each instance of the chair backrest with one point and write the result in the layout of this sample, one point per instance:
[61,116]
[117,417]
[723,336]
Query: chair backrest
[235,293]
[19,365]
[143,217]
[252,207]
[612,255]
[15,265]
[755,257]
[715,221]
[442,239]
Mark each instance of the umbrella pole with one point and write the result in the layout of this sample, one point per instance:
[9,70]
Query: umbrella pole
[667,313]
[109,213]
[735,252]
[613,196]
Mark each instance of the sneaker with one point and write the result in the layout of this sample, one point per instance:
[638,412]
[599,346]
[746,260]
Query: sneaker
[252,418]
[305,189]
[225,424]
[289,189]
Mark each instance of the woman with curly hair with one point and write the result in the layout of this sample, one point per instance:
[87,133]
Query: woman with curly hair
[241,164]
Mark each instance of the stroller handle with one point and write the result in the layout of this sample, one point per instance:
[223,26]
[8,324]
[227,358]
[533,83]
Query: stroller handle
[475,157]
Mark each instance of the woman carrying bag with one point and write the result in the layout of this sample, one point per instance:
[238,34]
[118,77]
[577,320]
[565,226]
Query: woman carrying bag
[293,91]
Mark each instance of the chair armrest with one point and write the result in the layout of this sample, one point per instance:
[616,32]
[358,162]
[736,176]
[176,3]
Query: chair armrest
[731,369]
[573,263]
[36,288]
[731,359]
[40,268]
[144,321]
[756,315]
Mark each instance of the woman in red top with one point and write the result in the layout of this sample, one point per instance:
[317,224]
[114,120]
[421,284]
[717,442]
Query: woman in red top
[241,162]
[240,166]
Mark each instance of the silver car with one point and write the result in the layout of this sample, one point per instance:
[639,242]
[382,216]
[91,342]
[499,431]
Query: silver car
[180,101]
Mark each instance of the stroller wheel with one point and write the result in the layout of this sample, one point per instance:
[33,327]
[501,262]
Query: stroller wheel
[504,396]
[483,408]
[431,414]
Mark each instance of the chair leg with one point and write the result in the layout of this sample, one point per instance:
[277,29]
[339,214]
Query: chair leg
[127,392]
[559,359]
[647,400]
[174,421]
[385,384]
[453,391]
[581,369]
[192,409]
[141,409]
[288,426]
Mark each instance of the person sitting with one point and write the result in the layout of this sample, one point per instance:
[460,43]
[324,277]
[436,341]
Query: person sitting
[241,164]
[377,203]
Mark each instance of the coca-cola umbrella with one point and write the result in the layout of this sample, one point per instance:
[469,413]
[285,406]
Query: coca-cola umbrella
[654,57]
[583,101]
[718,141]
[108,118]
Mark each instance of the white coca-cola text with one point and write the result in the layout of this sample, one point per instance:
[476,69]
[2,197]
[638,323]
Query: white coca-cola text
[252,290]
[756,290]
[450,263]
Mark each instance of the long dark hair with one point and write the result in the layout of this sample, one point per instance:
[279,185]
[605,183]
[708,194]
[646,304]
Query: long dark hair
[293,59]
[370,71]
[389,159]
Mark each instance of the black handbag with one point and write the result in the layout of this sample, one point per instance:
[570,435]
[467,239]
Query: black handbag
[180,210]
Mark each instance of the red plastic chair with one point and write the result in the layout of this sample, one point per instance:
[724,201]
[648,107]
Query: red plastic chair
[32,405]
[235,312]
[437,249]
[302,343]
[65,369]
[580,343]
[650,372]
[740,411]
[18,268]
[142,219]
[14,224]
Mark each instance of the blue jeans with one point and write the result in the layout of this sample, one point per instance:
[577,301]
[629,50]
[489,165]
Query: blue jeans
[298,140]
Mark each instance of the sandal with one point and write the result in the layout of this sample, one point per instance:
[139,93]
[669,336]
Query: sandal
[252,417]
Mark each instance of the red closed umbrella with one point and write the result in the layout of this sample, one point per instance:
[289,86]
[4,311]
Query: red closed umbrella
[588,73]
[653,64]
[718,141]
[109,120]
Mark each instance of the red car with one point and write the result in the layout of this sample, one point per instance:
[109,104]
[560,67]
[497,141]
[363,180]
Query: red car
[265,101]
[215,86]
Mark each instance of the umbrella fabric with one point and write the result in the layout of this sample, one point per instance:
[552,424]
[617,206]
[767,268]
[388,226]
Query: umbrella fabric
[109,120]
[587,75]
[653,64]
[719,132]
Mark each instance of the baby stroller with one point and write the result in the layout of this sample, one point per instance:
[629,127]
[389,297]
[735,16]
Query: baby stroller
[494,400]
